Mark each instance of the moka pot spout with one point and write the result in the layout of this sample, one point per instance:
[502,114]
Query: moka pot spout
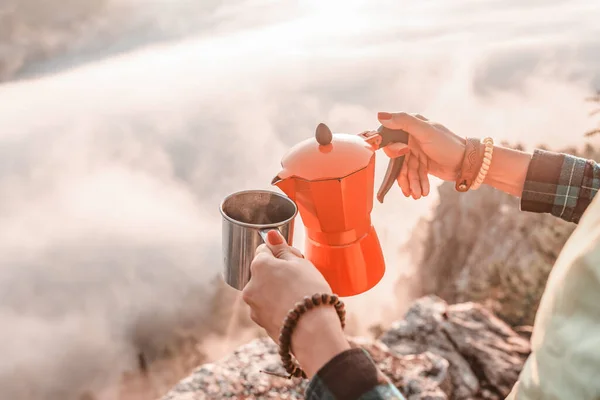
[287,185]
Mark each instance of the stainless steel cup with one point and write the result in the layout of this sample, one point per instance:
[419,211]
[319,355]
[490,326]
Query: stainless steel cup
[247,217]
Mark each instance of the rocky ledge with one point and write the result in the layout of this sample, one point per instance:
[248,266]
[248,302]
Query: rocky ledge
[438,351]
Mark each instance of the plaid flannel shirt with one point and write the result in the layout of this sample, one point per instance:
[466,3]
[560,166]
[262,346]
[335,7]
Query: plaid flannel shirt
[559,184]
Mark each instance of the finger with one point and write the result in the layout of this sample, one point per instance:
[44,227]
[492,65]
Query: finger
[260,260]
[263,249]
[279,247]
[403,177]
[254,317]
[248,293]
[423,173]
[414,126]
[296,252]
[413,177]
[396,150]
[422,118]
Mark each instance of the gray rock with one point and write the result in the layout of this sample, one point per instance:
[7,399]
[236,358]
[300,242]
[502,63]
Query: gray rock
[484,353]
[437,352]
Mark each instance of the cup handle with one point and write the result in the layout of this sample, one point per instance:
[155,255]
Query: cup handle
[263,233]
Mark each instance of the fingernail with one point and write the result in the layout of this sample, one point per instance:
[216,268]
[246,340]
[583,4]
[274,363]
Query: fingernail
[275,238]
[384,116]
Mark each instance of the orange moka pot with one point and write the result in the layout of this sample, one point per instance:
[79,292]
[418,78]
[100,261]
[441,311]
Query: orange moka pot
[331,179]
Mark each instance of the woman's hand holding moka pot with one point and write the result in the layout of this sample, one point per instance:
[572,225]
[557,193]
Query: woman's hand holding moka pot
[435,150]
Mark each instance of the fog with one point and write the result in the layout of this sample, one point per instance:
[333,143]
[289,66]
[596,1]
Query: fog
[120,138]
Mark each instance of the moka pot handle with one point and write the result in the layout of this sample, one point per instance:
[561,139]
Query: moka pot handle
[389,136]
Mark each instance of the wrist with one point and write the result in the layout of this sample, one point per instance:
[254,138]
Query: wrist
[508,170]
[317,338]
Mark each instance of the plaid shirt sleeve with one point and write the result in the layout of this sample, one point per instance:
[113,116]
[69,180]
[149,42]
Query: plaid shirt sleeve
[560,184]
[351,375]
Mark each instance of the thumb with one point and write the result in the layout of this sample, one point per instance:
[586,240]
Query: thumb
[415,127]
[278,246]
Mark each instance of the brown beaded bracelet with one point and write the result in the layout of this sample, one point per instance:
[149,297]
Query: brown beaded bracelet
[290,321]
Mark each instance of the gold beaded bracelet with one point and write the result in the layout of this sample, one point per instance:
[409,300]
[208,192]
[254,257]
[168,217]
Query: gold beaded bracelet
[291,320]
[486,162]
